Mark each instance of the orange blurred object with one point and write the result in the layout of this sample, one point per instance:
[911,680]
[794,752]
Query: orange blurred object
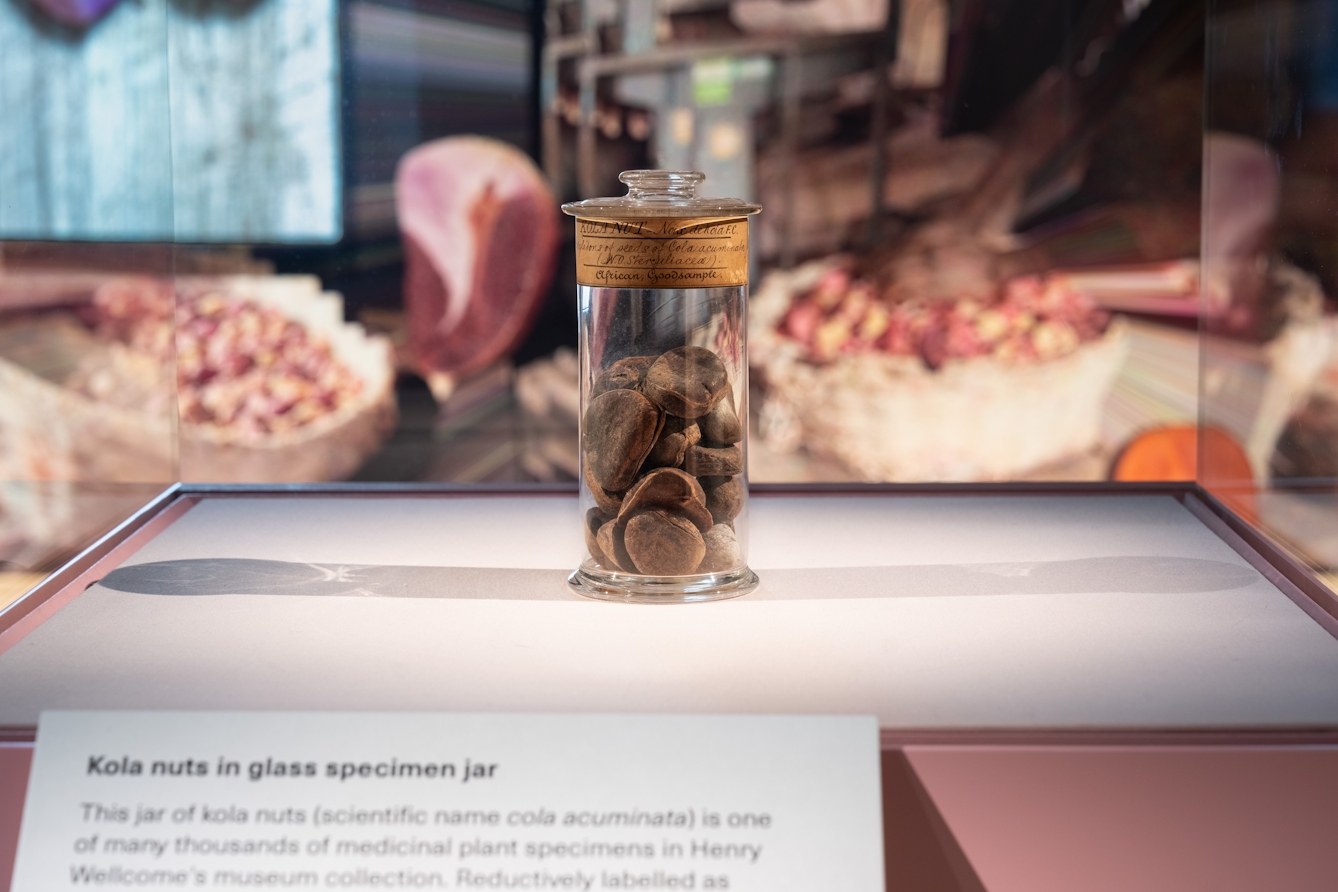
[1172,453]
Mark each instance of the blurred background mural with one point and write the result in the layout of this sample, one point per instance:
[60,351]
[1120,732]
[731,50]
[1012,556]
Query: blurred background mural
[190,120]
[306,240]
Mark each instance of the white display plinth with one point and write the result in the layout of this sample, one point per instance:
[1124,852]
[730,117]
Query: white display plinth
[933,612]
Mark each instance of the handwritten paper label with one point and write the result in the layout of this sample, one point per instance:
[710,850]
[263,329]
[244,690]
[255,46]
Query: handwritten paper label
[215,800]
[662,253]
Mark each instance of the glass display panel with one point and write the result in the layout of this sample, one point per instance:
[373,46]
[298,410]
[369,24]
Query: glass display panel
[1269,444]
[1016,298]
[87,399]
[979,259]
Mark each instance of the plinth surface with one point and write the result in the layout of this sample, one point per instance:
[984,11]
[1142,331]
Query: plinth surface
[928,612]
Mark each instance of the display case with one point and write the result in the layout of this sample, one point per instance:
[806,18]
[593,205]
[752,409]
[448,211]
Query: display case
[1036,479]
[1028,651]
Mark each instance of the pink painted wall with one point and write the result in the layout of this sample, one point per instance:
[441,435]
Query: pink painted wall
[1106,819]
[15,760]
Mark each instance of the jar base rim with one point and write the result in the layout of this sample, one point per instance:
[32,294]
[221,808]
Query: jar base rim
[637,589]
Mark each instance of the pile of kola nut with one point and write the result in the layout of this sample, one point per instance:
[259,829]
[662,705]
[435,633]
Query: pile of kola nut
[660,438]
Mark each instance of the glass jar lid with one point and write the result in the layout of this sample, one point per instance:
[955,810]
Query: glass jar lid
[660,193]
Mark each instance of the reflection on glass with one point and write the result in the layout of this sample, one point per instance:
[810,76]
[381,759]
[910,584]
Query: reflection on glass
[985,268]
[1015,297]
[86,417]
[1269,366]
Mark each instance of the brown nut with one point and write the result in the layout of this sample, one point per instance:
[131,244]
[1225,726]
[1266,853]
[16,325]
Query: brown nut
[726,500]
[593,521]
[721,425]
[610,503]
[709,482]
[722,550]
[619,429]
[678,436]
[663,544]
[672,490]
[686,381]
[625,374]
[702,461]
[610,541]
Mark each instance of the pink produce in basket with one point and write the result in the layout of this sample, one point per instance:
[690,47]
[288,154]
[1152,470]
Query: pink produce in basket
[480,230]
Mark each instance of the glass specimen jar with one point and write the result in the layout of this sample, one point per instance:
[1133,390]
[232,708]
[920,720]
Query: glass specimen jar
[662,278]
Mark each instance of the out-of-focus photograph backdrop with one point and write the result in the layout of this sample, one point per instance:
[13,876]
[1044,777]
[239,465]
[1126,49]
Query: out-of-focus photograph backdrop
[296,241]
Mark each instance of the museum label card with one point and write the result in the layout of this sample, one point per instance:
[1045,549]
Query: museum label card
[217,800]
